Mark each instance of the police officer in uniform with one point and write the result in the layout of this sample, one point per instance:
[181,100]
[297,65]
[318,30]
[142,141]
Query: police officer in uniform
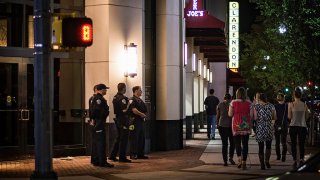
[121,106]
[137,137]
[100,111]
[94,157]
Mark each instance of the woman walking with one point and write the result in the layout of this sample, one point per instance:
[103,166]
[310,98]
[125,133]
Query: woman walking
[225,130]
[240,111]
[298,113]
[264,113]
[281,127]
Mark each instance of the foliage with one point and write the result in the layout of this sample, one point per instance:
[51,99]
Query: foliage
[270,60]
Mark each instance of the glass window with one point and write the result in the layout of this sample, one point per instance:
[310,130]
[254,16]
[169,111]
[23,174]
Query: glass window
[13,24]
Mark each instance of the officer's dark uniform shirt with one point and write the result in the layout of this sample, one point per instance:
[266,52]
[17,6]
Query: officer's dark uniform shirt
[120,103]
[100,111]
[139,105]
[90,106]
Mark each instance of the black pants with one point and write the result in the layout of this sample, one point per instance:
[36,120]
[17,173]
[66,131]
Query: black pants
[261,146]
[101,147]
[244,139]
[137,138]
[120,144]
[300,133]
[94,154]
[226,134]
[281,137]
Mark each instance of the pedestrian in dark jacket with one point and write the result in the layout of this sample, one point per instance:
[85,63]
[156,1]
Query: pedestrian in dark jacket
[211,102]
[225,130]
[137,135]
[121,110]
[94,156]
[281,127]
[100,112]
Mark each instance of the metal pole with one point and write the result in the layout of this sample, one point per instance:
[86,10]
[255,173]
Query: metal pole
[42,98]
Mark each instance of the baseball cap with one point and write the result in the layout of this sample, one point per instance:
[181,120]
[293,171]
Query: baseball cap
[101,87]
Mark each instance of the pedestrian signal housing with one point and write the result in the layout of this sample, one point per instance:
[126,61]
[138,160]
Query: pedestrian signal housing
[77,32]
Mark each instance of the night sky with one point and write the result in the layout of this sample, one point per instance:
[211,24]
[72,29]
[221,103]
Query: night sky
[248,14]
[218,8]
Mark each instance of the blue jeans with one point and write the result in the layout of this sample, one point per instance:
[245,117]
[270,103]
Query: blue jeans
[211,126]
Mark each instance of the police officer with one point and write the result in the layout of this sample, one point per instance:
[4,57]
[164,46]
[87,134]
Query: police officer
[100,111]
[121,106]
[94,157]
[137,138]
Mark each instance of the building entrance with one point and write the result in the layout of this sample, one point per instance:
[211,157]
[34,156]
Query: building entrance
[16,107]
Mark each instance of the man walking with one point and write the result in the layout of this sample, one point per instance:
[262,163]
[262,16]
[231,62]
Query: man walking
[211,103]
[137,138]
[121,105]
[100,111]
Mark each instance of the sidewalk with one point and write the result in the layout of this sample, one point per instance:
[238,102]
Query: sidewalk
[200,159]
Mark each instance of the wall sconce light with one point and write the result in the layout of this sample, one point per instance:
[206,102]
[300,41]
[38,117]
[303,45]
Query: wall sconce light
[131,60]
[204,71]
[210,77]
[193,62]
[208,74]
[185,54]
[199,67]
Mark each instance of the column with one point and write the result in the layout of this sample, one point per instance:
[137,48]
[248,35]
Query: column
[196,84]
[168,75]
[205,90]
[201,97]
[219,81]
[189,90]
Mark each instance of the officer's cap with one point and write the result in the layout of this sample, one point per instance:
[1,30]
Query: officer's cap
[101,87]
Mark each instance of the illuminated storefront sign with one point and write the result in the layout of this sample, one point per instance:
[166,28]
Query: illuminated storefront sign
[233,35]
[195,12]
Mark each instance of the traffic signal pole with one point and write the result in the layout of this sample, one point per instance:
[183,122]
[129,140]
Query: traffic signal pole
[42,91]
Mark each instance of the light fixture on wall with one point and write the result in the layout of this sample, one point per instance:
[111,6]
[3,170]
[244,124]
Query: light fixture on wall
[131,60]
[193,62]
[204,71]
[210,77]
[208,74]
[199,67]
[185,54]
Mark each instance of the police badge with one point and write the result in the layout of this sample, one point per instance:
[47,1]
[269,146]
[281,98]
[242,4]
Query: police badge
[98,101]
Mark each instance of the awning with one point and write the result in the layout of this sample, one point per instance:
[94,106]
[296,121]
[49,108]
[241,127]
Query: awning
[235,79]
[206,21]
[208,33]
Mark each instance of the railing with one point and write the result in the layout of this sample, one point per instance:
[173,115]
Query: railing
[314,129]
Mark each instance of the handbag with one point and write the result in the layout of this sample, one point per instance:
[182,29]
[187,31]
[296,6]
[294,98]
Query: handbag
[278,127]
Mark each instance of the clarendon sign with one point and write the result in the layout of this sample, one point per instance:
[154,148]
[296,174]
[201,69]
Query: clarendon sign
[233,35]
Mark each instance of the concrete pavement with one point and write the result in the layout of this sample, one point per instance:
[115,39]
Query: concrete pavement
[200,159]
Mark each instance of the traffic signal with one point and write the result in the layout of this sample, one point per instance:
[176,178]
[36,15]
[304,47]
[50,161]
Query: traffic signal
[77,32]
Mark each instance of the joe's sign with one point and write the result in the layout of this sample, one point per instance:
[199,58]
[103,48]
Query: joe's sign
[195,9]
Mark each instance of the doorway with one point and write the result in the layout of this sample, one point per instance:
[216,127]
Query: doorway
[16,107]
